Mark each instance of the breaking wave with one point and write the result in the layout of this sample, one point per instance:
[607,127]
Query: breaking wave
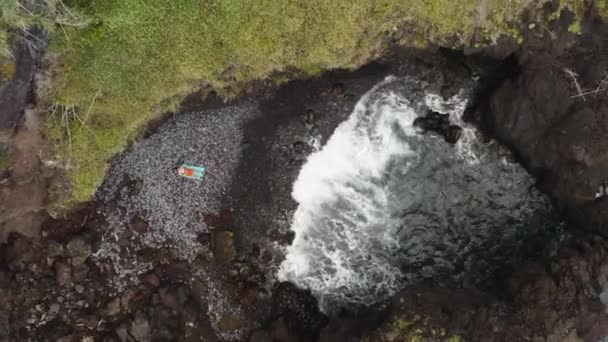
[382,205]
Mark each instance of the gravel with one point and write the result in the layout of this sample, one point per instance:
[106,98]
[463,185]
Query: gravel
[142,182]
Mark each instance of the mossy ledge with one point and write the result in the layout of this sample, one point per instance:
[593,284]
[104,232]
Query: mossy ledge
[136,59]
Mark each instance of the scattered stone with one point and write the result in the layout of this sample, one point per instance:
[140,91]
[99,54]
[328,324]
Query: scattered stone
[113,307]
[63,274]
[222,245]
[138,225]
[151,279]
[54,309]
[140,328]
[79,251]
[79,288]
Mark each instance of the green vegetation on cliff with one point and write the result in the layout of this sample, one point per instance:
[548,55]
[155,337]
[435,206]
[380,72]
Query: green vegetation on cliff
[138,58]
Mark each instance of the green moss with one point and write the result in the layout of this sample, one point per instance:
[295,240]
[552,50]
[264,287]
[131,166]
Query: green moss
[5,159]
[138,53]
[17,17]
[602,8]
[403,324]
[575,27]
[7,69]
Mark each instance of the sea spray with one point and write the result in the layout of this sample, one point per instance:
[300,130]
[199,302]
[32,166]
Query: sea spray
[381,205]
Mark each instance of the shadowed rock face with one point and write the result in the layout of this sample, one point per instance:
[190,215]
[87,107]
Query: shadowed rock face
[14,93]
[559,135]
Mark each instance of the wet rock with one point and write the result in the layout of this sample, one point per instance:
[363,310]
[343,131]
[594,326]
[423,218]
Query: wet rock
[140,328]
[78,251]
[299,147]
[299,310]
[222,245]
[453,134]
[433,121]
[440,124]
[309,117]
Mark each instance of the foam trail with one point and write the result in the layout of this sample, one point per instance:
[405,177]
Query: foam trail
[343,198]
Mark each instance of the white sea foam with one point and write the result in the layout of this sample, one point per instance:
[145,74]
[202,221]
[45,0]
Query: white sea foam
[343,200]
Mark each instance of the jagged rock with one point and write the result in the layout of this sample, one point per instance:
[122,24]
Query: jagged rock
[79,251]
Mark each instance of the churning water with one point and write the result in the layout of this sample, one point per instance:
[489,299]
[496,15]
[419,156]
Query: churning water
[382,205]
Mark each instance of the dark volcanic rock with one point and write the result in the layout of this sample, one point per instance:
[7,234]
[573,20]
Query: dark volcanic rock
[559,135]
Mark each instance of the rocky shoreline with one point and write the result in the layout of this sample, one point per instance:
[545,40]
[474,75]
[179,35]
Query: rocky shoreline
[56,287]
